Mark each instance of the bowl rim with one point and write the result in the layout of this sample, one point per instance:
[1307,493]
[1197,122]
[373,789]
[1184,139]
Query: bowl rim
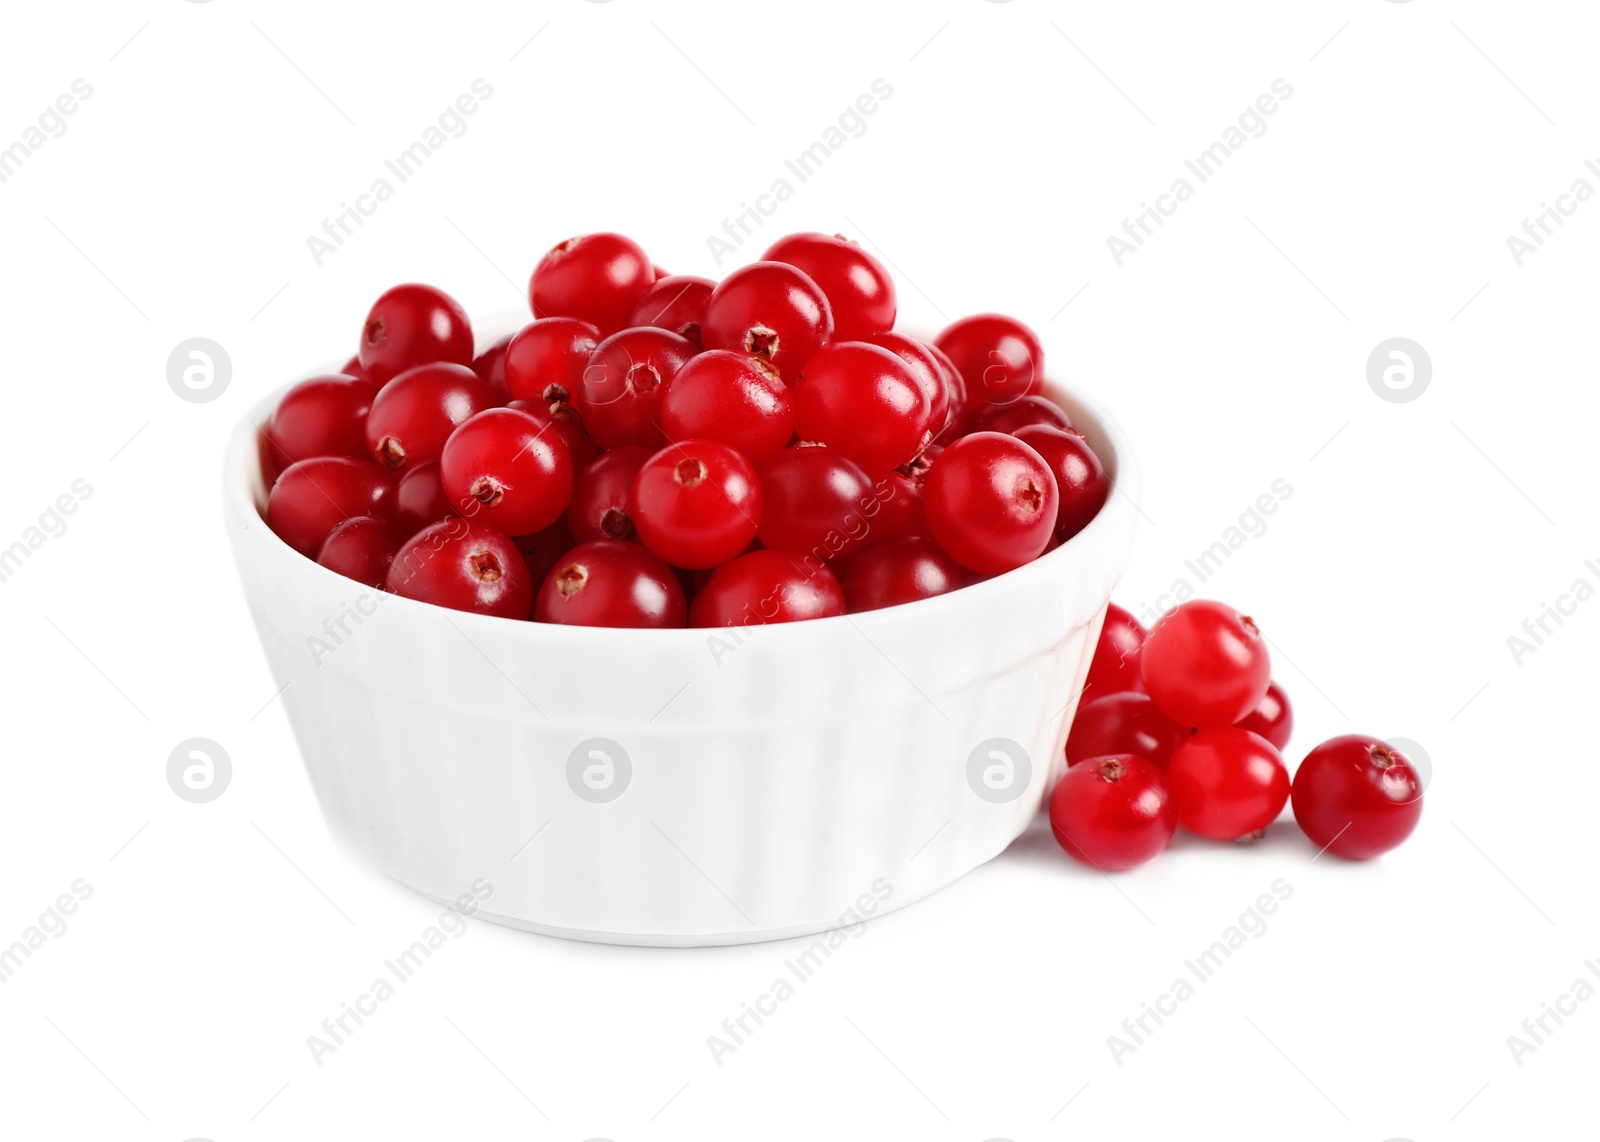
[242,468]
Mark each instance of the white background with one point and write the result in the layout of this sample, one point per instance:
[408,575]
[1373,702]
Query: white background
[1233,347]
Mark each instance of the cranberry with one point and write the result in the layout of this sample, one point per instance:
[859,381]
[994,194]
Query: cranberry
[491,366]
[413,325]
[505,469]
[815,503]
[955,421]
[900,569]
[1115,667]
[676,302]
[466,566]
[415,413]
[602,495]
[732,397]
[314,495]
[595,278]
[1113,813]
[1020,413]
[925,367]
[766,587]
[1357,797]
[322,416]
[1082,483]
[769,310]
[362,549]
[627,375]
[1227,784]
[859,290]
[608,583]
[999,358]
[696,503]
[546,359]
[865,402]
[1205,664]
[1273,718]
[1123,723]
[352,368]
[565,427]
[900,497]
[991,502]
[420,498]
[543,550]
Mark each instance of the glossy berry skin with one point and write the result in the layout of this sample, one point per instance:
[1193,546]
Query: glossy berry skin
[1113,813]
[413,325]
[677,303]
[466,566]
[321,416]
[1081,482]
[545,361]
[1357,797]
[420,498]
[999,358]
[858,288]
[1020,413]
[1123,723]
[565,427]
[696,504]
[1115,666]
[490,364]
[864,402]
[900,497]
[1273,718]
[900,569]
[991,502]
[955,421]
[624,382]
[362,549]
[505,469]
[925,366]
[415,413]
[766,587]
[769,310]
[313,496]
[1227,784]
[815,504]
[732,397]
[1205,664]
[609,583]
[602,495]
[595,278]
[543,549]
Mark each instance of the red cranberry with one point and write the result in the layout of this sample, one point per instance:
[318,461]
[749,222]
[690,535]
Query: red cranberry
[1123,723]
[1115,667]
[595,278]
[466,566]
[925,367]
[864,402]
[490,365]
[546,359]
[732,397]
[1273,718]
[312,496]
[352,368]
[766,587]
[566,428]
[991,502]
[507,470]
[322,416]
[1205,664]
[1081,482]
[1020,413]
[999,358]
[769,310]
[859,290]
[543,549]
[420,498]
[608,583]
[627,375]
[696,503]
[1227,784]
[415,413]
[413,325]
[815,504]
[602,495]
[900,569]
[1357,797]
[362,549]
[1113,814]
[676,302]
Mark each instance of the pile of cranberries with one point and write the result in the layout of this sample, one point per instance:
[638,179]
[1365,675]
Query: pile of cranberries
[1183,725]
[660,450]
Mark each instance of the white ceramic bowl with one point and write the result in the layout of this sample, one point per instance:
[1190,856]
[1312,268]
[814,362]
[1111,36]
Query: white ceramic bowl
[682,787]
